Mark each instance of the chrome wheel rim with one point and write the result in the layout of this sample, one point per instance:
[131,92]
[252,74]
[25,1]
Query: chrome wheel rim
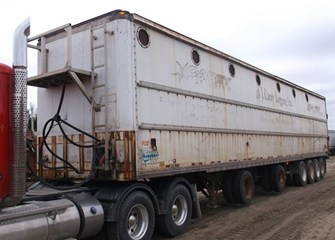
[179,210]
[322,168]
[137,221]
[312,172]
[317,169]
[304,173]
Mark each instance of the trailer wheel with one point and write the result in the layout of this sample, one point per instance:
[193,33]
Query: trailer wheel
[310,172]
[178,219]
[228,180]
[136,218]
[317,171]
[277,178]
[265,179]
[322,168]
[244,187]
[300,176]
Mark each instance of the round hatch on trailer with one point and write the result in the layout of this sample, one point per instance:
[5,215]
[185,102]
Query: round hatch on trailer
[195,57]
[143,37]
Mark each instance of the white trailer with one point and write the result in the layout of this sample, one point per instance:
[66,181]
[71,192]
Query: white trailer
[172,116]
[331,134]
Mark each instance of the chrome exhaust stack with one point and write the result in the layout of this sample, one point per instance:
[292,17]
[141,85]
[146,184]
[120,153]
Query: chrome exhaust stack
[18,115]
[20,44]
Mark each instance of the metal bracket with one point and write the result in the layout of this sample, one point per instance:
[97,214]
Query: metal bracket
[82,88]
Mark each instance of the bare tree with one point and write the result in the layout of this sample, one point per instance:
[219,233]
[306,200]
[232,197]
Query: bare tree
[32,117]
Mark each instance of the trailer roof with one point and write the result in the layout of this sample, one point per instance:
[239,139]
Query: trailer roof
[120,14]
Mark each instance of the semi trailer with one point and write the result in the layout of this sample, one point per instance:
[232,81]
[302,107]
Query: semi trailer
[134,120]
[331,134]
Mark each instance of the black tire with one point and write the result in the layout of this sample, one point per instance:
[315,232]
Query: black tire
[277,178]
[265,179]
[244,187]
[310,171]
[322,167]
[180,205]
[317,170]
[300,174]
[136,218]
[228,180]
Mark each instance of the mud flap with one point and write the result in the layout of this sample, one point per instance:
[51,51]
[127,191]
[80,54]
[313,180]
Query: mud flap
[196,210]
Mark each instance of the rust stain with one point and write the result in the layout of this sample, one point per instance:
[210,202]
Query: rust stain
[129,165]
[126,149]
[133,155]
[123,171]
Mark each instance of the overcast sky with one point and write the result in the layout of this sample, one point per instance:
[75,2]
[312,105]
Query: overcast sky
[293,39]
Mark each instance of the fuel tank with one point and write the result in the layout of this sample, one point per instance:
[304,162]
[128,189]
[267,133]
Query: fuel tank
[6,79]
[75,216]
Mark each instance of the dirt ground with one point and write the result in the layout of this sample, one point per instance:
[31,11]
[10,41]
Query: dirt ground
[297,213]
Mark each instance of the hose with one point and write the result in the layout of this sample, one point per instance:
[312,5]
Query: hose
[48,126]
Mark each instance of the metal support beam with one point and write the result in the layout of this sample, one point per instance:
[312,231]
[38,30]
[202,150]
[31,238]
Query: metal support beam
[34,47]
[82,88]
[69,46]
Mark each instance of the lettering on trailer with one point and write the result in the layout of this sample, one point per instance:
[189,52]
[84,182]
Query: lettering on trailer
[314,109]
[189,71]
[148,155]
[262,94]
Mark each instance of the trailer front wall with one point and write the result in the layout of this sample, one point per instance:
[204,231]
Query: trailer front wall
[112,46]
[117,76]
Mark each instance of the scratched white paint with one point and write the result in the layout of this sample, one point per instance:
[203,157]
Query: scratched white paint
[198,114]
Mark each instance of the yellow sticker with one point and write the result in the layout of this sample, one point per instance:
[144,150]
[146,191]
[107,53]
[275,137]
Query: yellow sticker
[162,165]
